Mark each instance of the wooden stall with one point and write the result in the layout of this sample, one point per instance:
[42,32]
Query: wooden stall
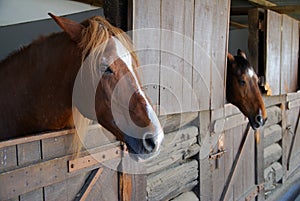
[209,151]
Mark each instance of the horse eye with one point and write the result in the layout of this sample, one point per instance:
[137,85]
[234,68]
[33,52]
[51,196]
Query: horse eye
[242,82]
[108,70]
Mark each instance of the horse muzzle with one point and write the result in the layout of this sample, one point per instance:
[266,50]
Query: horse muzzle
[257,122]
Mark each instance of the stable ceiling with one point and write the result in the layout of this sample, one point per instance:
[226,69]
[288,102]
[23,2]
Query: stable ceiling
[239,9]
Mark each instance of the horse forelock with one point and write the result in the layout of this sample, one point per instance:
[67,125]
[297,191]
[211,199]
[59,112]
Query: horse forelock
[96,34]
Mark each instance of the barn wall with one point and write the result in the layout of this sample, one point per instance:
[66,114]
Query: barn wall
[182,58]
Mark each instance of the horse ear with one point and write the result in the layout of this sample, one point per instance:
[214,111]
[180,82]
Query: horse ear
[230,57]
[72,28]
[241,53]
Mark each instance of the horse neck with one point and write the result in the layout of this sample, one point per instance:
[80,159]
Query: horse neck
[38,81]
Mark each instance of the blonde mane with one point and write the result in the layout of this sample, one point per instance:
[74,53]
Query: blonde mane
[94,40]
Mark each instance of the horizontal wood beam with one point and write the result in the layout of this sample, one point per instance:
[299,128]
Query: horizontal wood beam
[238,25]
[291,9]
[263,3]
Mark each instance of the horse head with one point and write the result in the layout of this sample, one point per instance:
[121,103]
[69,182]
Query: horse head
[107,88]
[242,89]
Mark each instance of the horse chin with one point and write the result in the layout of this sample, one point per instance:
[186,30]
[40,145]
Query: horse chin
[254,125]
[136,149]
[141,157]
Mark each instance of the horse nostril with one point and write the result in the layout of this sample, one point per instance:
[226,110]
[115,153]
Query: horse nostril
[149,143]
[259,119]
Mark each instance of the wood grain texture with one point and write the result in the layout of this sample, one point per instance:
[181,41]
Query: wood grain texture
[146,39]
[273,45]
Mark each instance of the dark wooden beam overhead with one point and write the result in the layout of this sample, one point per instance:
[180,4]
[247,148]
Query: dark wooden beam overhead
[238,25]
[291,9]
[263,3]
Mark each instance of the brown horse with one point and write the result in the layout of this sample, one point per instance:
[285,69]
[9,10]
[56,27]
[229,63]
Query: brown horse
[91,65]
[242,89]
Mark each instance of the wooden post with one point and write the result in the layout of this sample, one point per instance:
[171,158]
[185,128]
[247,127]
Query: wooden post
[259,166]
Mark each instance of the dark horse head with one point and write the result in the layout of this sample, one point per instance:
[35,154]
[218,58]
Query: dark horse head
[242,89]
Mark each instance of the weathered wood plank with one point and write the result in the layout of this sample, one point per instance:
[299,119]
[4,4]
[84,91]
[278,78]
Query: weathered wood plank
[293,96]
[253,39]
[172,181]
[176,147]
[293,104]
[272,175]
[36,137]
[8,158]
[173,122]
[188,196]
[274,115]
[218,53]
[286,54]
[203,29]
[272,134]
[205,178]
[272,154]
[273,40]
[146,38]
[106,188]
[65,190]
[28,153]
[39,175]
[295,56]
[57,146]
[172,38]
[188,96]
[36,195]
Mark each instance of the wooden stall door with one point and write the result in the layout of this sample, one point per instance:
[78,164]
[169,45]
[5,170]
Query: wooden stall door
[291,138]
[232,161]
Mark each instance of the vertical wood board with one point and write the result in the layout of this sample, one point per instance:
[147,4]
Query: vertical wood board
[218,54]
[203,31]
[286,53]
[273,45]
[172,57]
[146,39]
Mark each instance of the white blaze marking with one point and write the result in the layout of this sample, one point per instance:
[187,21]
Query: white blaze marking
[124,54]
[250,72]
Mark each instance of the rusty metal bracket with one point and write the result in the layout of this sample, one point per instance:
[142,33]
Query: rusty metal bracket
[93,159]
[254,192]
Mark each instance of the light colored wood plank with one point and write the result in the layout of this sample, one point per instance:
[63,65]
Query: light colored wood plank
[91,184]
[49,172]
[65,190]
[29,153]
[172,181]
[272,175]
[172,55]
[286,53]
[295,56]
[188,96]
[8,158]
[248,163]
[203,31]
[272,134]
[273,40]
[36,195]
[146,38]
[36,137]
[174,122]
[57,146]
[190,196]
[106,188]
[219,53]
[272,154]
[274,115]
